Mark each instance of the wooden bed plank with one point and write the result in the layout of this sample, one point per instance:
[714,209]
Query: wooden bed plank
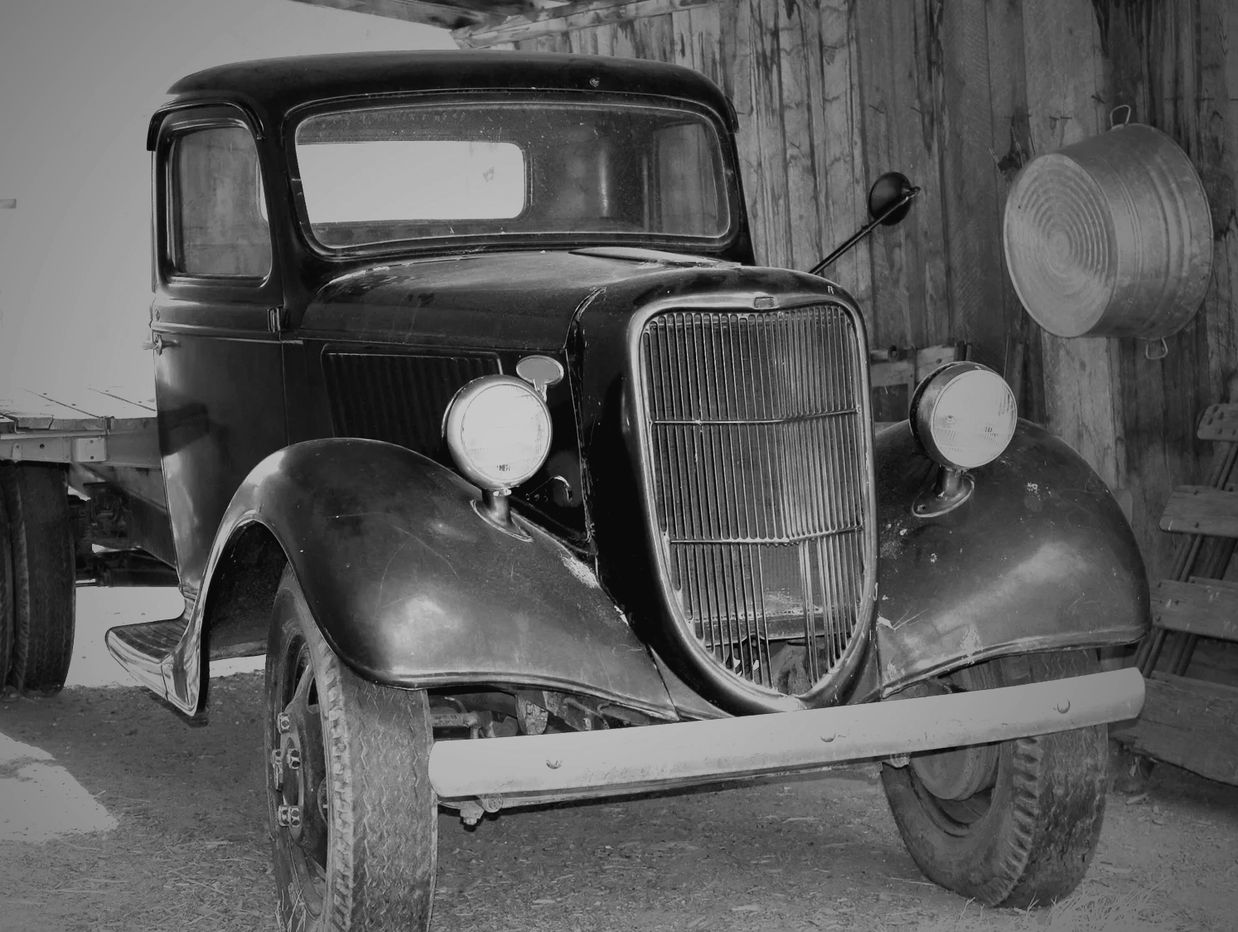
[1198,509]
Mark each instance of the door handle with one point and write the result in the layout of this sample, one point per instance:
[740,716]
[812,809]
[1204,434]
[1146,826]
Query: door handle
[158,342]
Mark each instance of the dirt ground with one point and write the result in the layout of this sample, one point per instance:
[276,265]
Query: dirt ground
[116,814]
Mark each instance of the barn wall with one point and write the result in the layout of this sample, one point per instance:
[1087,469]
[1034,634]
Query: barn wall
[959,96]
[791,70]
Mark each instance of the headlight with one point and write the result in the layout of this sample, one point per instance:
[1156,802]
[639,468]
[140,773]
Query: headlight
[963,415]
[498,430]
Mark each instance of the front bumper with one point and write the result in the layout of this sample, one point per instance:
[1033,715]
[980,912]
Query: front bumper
[597,763]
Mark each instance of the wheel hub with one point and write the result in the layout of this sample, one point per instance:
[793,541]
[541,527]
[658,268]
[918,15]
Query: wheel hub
[958,773]
[299,777]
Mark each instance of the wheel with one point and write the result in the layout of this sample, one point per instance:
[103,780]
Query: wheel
[1012,823]
[7,622]
[43,567]
[353,817]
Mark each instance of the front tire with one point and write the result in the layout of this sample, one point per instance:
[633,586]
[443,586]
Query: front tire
[353,817]
[1013,823]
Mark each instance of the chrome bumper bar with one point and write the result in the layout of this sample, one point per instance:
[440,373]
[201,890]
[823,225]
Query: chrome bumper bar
[598,763]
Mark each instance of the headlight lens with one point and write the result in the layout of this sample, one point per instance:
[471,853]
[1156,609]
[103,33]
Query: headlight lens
[964,415]
[498,430]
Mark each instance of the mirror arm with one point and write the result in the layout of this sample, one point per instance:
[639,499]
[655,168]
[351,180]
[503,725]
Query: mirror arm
[868,228]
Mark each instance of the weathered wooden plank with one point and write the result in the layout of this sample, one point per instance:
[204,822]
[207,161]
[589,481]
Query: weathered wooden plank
[655,38]
[705,23]
[769,173]
[584,41]
[1200,509]
[1219,423]
[1218,28]
[892,372]
[1154,64]
[797,40]
[889,251]
[1064,82]
[451,15]
[839,145]
[920,146]
[128,402]
[623,39]
[970,197]
[1214,156]
[1190,723]
[740,67]
[1011,150]
[28,410]
[566,18]
[686,48]
[901,67]
[1205,608]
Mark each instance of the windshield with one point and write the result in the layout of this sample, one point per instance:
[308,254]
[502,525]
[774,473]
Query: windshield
[512,168]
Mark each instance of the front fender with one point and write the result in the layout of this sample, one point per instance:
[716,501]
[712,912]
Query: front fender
[412,587]
[1040,557]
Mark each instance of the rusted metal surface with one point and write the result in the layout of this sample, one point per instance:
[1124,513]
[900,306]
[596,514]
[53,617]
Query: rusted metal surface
[698,752]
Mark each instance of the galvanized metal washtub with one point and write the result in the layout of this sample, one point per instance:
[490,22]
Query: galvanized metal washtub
[1111,236]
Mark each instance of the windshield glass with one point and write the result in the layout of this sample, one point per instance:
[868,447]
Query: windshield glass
[512,168]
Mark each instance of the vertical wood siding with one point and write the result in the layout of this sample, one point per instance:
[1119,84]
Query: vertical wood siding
[1175,63]
[959,95]
[791,69]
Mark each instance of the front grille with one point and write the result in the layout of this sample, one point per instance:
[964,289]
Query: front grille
[758,470]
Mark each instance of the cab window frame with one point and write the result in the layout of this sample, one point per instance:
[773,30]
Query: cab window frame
[170,273]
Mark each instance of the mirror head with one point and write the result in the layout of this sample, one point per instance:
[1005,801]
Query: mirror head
[885,193]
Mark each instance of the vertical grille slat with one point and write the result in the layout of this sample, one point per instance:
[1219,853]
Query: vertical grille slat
[757,446]
[396,398]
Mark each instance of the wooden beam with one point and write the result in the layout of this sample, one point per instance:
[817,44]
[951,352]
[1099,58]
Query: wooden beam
[533,21]
[1064,73]
[454,15]
[1190,723]
[1199,509]
[1204,607]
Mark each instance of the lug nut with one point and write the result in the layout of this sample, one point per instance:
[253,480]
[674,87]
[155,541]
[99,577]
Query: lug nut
[292,757]
[277,768]
[288,816]
[283,723]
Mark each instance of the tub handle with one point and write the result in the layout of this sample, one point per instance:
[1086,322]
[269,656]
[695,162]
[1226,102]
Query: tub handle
[1116,122]
[1156,349]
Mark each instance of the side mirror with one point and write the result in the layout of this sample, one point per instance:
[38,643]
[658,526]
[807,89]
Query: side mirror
[889,200]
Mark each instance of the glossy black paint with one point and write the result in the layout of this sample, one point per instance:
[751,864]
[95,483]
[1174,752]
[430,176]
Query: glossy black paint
[269,93]
[1040,557]
[412,587]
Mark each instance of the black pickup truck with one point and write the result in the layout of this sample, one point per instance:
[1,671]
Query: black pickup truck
[475,414]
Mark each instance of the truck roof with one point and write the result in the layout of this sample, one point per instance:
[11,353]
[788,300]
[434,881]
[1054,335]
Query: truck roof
[270,88]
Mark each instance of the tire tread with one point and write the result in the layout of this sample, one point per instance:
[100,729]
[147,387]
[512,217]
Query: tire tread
[43,575]
[1055,807]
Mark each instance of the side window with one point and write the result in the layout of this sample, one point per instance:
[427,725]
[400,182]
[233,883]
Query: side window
[217,216]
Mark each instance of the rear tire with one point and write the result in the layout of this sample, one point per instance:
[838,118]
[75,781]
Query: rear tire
[1013,823]
[352,758]
[43,573]
[8,624]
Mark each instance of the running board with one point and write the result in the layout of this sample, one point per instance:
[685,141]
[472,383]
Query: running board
[148,652]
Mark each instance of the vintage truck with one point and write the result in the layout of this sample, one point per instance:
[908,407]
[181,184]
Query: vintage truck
[475,415]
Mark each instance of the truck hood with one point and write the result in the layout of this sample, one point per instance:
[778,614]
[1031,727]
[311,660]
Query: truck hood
[520,301]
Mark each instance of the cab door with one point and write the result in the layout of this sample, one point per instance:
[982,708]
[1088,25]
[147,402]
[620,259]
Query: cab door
[218,368]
